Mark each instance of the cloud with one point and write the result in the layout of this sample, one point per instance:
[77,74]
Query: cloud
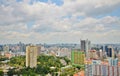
[91,7]
[69,22]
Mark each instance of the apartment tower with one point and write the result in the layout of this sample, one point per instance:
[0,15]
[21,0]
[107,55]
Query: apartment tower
[31,56]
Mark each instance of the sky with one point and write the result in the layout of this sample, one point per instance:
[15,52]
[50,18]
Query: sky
[59,21]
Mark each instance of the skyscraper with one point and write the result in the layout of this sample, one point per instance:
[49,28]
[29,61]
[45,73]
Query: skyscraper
[31,56]
[21,46]
[86,46]
[110,52]
[39,50]
[83,45]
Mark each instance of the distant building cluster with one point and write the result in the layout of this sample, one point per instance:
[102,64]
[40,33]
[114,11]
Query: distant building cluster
[101,60]
[12,50]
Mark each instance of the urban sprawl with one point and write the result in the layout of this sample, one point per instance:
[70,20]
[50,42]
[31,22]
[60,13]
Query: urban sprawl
[84,59]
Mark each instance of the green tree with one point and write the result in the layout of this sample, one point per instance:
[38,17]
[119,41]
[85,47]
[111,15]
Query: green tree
[1,73]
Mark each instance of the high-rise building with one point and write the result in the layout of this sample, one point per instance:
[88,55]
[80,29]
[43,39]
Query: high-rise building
[110,52]
[113,62]
[90,69]
[1,48]
[31,56]
[83,45]
[39,50]
[78,57]
[21,47]
[101,70]
[86,46]
[6,48]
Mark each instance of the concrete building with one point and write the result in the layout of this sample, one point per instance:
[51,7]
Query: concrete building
[101,54]
[101,70]
[113,62]
[6,48]
[64,52]
[96,62]
[77,57]
[88,70]
[93,54]
[86,46]
[39,50]
[8,55]
[31,56]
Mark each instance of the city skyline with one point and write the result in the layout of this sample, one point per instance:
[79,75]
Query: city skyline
[59,21]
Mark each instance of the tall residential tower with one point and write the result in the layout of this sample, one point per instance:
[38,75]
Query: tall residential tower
[31,56]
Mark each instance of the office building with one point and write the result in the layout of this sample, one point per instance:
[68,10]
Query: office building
[110,52]
[86,46]
[77,57]
[31,56]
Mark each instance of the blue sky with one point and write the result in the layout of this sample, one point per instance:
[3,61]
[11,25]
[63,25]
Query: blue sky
[57,2]
[59,21]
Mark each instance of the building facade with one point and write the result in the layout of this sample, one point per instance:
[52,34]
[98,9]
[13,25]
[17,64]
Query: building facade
[6,48]
[109,51]
[31,56]
[93,54]
[113,62]
[101,70]
[77,57]
[86,46]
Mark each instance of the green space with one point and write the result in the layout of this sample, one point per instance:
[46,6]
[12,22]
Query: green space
[46,65]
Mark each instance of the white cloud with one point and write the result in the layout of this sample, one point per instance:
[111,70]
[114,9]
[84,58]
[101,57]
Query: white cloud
[69,22]
[91,7]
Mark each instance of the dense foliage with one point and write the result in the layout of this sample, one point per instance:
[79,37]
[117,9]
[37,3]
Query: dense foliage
[3,59]
[17,61]
[45,65]
[1,72]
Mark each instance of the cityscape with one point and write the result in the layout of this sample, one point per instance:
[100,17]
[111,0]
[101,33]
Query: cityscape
[59,38]
[83,59]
